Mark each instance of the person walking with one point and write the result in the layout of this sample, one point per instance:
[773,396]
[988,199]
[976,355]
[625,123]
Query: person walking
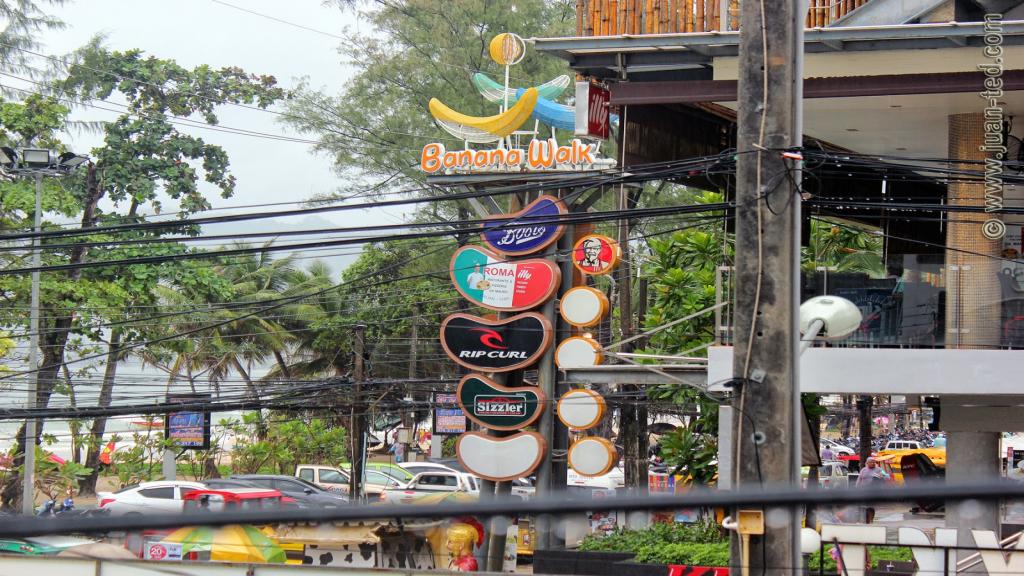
[871,475]
[827,454]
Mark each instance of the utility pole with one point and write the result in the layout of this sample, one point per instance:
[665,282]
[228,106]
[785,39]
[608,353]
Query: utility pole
[632,429]
[407,416]
[864,404]
[765,362]
[358,417]
[28,506]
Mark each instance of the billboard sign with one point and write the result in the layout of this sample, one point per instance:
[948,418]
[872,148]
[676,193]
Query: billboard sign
[496,345]
[592,113]
[531,229]
[188,429]
[448,417]
[498,407]
[488,280]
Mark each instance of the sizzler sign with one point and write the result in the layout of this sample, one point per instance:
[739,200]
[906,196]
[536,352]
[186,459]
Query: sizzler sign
[508,406]
[495,346]
[499,407]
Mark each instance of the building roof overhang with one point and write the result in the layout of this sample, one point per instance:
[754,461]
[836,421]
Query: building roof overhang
[660,56]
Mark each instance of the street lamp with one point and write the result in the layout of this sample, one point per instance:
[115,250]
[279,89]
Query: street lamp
[827,317]
[37,162]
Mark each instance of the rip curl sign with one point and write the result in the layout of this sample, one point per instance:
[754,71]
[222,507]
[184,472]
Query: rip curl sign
[531,229]
[496,345]
[488,280]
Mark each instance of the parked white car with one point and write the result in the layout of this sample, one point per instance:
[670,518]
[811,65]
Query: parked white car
[836,448]
[421,467]
[148,498]
[830,475]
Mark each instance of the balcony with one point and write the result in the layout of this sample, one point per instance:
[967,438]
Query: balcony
[620,17]
[915,307]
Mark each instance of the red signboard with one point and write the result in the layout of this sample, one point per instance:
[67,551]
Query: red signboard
[592,115]
[597,112]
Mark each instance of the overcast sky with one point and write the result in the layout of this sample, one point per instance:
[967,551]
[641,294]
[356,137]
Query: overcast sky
[194,32]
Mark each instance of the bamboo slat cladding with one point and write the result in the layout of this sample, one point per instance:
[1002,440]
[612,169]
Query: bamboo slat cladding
[616,17]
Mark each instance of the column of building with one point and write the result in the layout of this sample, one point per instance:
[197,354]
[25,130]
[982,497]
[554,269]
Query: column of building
[972,321]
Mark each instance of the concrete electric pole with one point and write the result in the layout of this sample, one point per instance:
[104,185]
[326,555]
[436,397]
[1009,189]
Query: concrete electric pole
[358,417]
[766,426]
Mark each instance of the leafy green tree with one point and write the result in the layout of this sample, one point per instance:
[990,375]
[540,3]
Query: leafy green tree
[391,285]
[415,50]
[143,161]
[55,478]
[843,248]
[295,441]
[23,20]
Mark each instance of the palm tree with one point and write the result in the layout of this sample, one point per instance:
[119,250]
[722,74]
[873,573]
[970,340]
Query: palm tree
[253,338]
[844,247]
[319,332]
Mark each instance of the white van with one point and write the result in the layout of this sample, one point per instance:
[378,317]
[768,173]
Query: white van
[903,445]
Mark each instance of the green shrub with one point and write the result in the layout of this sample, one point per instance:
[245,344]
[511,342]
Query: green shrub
[878,554]
[623,540]
[688,553]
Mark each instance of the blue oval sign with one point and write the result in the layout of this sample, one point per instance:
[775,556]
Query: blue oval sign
[515,235]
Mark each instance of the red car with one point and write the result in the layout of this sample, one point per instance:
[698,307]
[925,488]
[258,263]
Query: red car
[235,499]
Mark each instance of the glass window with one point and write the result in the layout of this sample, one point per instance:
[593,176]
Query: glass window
[331,477]
[374,477]
[307,474]
[264,482]
[165,493]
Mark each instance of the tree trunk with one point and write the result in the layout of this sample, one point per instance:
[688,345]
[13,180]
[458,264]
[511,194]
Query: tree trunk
[864,408]
[253,393]
[847,418]
[285,372]
[99,425]
[74,426]
[53,342]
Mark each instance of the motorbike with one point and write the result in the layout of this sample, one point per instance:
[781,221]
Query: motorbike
[67,509]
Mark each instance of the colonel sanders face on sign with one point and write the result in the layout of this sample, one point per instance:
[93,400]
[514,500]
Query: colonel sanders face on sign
[589,257]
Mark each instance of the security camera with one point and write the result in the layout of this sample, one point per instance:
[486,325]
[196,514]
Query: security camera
[829,317]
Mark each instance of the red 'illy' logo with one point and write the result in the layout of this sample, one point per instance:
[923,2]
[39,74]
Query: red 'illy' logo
[490,338]
[157,552]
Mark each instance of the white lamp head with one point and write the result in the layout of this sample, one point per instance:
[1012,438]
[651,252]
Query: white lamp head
[839,316]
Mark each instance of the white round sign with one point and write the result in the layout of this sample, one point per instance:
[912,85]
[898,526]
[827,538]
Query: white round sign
[583,306]
[578,352]
[581,409]
[592,456]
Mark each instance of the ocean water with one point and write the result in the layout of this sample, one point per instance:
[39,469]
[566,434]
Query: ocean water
[136,385]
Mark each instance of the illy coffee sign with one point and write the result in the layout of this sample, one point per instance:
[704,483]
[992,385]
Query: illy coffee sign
[498,407]
[495,346]
[524,232]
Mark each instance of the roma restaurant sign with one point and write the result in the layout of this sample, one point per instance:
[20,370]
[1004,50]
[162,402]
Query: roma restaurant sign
[486,280]
[540,155]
